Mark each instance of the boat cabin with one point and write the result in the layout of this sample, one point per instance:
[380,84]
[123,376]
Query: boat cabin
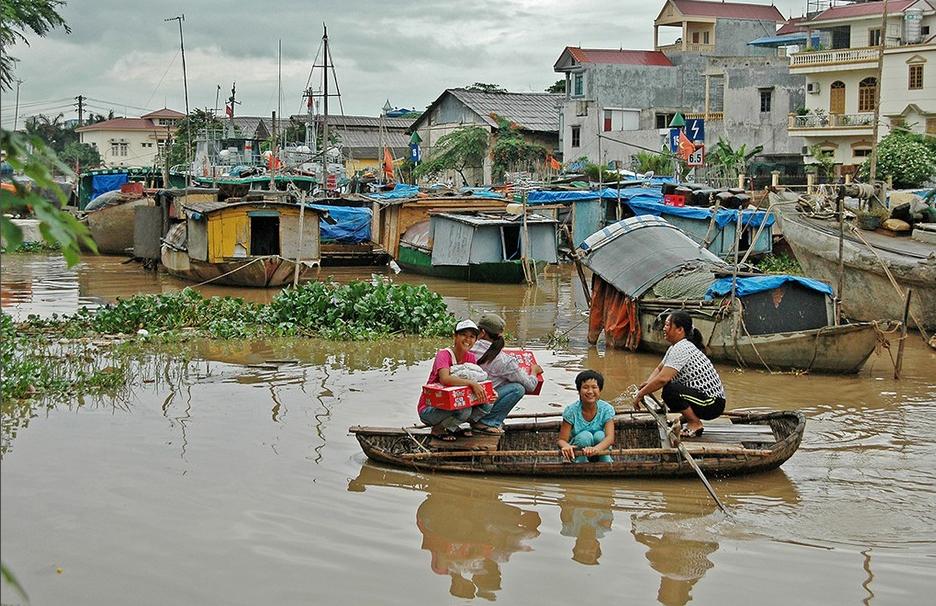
[491,237]
[222,231]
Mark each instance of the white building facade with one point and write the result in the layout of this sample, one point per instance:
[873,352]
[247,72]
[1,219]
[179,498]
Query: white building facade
[126,142]
[842,77]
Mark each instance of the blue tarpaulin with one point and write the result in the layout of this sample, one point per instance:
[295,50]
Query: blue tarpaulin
[352,224]
[104,183]
[400,190]
[754,284]
[644,201]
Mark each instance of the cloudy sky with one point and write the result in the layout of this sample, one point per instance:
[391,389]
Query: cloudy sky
[122,55]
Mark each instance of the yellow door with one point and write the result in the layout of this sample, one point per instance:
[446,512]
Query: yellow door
[837,98]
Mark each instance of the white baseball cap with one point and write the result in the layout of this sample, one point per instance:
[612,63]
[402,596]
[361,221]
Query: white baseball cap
[466,325]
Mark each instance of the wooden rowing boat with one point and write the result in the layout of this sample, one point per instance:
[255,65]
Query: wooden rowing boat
[748,443]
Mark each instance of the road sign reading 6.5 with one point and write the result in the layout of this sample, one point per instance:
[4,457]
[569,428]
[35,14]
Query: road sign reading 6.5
[696,158]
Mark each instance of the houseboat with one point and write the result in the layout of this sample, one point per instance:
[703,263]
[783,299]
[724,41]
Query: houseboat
[255,243]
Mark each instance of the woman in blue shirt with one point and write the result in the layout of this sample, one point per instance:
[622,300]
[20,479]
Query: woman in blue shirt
[587,423]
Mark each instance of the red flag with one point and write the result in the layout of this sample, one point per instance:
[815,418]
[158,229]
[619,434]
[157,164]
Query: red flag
[686,147]
[229,110]
[387,164]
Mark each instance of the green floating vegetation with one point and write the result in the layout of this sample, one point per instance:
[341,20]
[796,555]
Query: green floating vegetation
[779,264]
[359,310]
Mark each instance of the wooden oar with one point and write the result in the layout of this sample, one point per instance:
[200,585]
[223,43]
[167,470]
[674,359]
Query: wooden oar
[650,406]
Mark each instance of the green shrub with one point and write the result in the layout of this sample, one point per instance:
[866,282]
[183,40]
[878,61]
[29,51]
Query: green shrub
[906,158]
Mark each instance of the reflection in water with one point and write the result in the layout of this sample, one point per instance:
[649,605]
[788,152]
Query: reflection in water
[470,532]
[587,517]
[679,549]
[466,527]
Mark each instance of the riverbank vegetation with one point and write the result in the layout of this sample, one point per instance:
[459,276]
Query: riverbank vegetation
[779,264]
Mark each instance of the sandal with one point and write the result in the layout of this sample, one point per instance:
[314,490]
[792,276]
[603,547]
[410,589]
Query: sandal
[487,429]
[464,433]
[691,433]
[445,436]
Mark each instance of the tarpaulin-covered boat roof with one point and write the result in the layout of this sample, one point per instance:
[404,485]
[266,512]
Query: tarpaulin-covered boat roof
[750,285]
[635,253]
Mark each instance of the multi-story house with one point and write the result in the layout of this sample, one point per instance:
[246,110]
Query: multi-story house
[131,141]
[842,77]
[618,101]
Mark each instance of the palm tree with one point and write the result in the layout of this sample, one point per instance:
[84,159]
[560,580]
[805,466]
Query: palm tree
[730,162]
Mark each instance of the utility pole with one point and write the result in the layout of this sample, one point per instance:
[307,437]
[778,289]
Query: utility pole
[80,99]
[188,148]
[16,110]
[882,44]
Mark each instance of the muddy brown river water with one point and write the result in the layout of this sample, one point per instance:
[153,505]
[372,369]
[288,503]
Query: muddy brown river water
[223,478]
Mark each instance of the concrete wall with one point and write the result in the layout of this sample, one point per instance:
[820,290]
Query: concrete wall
[743,122]
[142,146]
[732,37]
[614,85]
[895,92]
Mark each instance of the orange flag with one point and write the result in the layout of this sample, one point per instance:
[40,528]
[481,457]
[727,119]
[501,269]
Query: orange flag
[387,164]
[553,163]
[686,147]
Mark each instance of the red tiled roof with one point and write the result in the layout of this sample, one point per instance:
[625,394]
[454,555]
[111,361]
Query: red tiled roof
[122,124]
[728,10]
[862,10]
[619,57]
[793,25]
[164,113]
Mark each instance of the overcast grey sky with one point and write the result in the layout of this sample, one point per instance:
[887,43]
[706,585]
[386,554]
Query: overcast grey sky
[122,55]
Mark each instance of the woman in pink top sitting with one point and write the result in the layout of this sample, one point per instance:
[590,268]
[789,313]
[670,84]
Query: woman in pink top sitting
[445,422]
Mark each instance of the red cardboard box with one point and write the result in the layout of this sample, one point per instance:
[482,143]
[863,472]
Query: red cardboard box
[526,360]
[674,200]
[132,187]
[455,397]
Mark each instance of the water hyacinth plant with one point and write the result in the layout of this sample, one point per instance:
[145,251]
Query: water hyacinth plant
[358,310]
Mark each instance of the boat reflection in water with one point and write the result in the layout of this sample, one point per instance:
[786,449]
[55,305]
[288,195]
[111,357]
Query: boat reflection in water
[587,517]
[468,530]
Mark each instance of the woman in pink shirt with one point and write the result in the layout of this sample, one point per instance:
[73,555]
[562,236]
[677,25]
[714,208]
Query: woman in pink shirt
[445,422]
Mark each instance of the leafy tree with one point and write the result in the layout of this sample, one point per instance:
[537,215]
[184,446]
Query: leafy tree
[824,161]
[190,128]
[52,131]
[557,87]
[730,162]
[18,16]
[660,164]
[458,150]
[511,152]
[81,153]
[905,157]
[483,87]
[55,225]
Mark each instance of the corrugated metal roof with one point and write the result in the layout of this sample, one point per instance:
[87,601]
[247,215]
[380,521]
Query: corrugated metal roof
[535,112]
[211,207]
[481,218]
[634,254]
[619,57]
[864,9]
[793,25]
[365,144]
[729,10]
[360,121]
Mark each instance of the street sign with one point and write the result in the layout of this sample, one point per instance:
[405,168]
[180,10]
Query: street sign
[674,140]
[697,157]
[414,152]
[695,130]
[331,181]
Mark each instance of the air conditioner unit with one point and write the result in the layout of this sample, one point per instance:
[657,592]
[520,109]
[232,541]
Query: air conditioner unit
[812,88]
[806,151]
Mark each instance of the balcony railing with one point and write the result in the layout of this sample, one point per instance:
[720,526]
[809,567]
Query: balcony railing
[711,116]
[831,120]
[830,57]
[690,48]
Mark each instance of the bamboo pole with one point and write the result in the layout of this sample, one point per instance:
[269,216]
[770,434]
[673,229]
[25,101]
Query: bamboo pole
[882,44]
[682,449]
[903,335]
[841,254]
